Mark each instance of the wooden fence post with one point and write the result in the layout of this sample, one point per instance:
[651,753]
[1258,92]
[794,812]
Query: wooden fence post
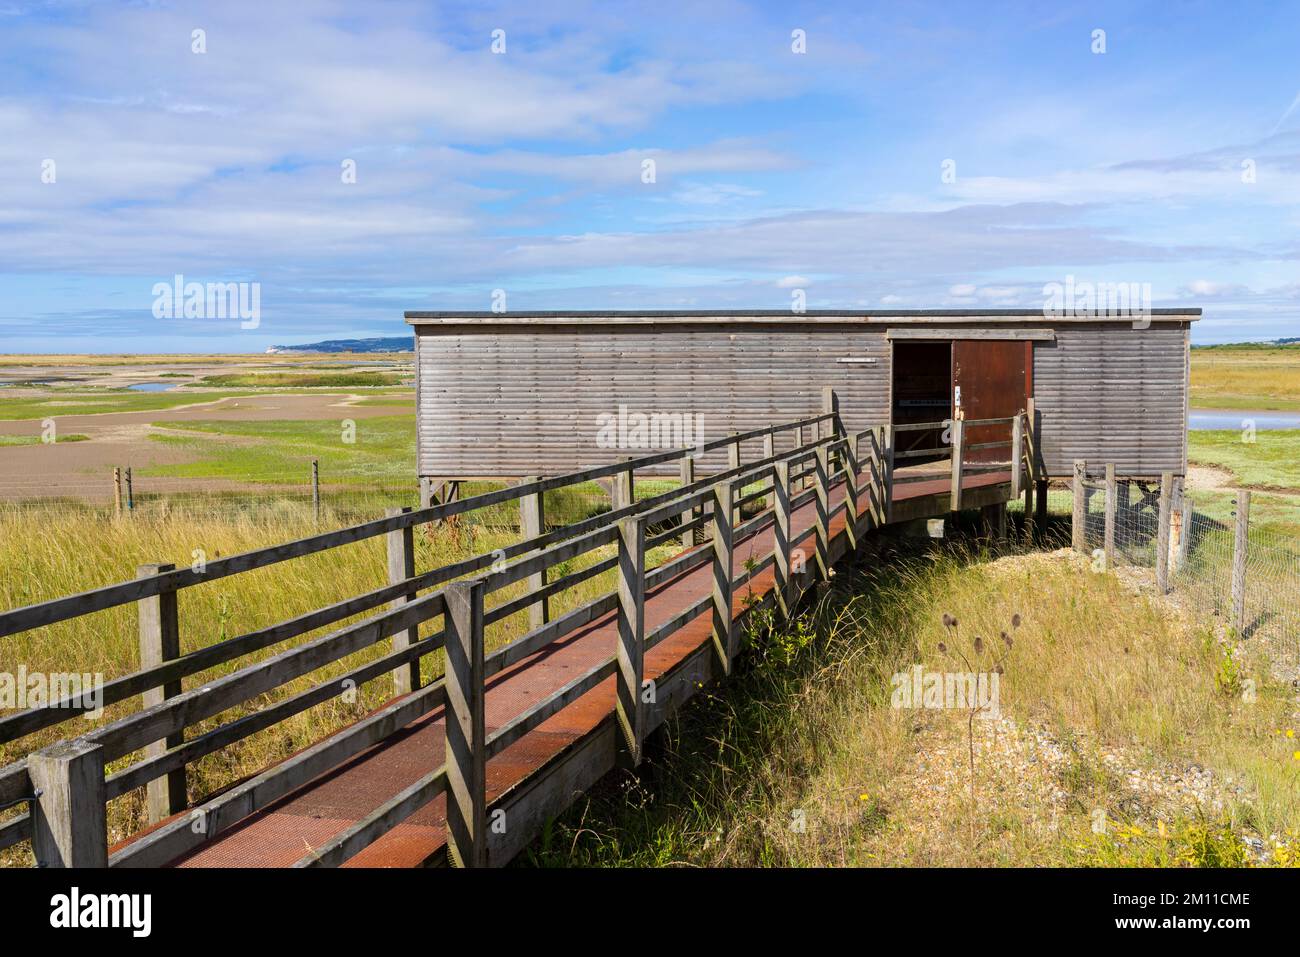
[624,488]
[724,631]
[160,641]
[466,755]
[1162,536]
[688,516]
[781,546]
[1240,549]
[958,428]
[1184,543]
[1079,517]
[1111,492]
[130,491]
[851,491]
[532,524]
[315,488]
[426,491]
[117,490]
[830,406]
[823,520]
[630,651]
[887,473]
[769,445]
[733,462]
[401,567]
[69,827]
[1017,453]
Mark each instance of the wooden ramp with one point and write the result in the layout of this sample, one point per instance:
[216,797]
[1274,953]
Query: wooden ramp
[469,766]
[571,749]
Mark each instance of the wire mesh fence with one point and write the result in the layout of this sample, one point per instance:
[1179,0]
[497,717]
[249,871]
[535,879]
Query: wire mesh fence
[1204,559]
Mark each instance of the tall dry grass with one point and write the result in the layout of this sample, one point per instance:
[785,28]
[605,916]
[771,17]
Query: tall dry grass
[46,555]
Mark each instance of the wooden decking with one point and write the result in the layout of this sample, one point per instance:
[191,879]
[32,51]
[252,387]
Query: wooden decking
[548,767]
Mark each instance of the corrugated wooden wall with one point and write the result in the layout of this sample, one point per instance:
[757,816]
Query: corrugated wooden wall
[509,401]
[513,401]
[1113,393]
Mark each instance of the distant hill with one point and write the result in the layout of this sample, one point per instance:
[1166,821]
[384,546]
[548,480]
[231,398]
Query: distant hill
[389,344]
[1291,342]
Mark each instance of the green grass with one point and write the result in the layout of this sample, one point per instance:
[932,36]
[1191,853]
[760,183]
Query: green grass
[383,452]
[303,380]
[84,402]
[1272,461]
[36,439]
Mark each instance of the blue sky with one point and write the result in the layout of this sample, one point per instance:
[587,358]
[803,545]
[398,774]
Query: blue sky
[523,170]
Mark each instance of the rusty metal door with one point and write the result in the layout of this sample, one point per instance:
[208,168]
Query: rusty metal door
[990,380]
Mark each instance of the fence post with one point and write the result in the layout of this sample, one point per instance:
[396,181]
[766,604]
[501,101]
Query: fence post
[822,480]
[733,462]
[781,546]
[1017,453]
[630,653]
[1162,536]
[426,491]
[69,826]
[830,406]
[958,428]
[117,490]
[624,487]
[130,491]
[315,488]
[160,641]
[1111,492]
[1184,543]
[688,516]
[1079,516]
[887,474]
[769,445]
[466,755]
[1240,548]
[532,524]
[851,490]
[723,627]
[401,567]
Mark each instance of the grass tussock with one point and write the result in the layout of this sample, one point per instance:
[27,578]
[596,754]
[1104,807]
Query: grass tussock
[1124,739]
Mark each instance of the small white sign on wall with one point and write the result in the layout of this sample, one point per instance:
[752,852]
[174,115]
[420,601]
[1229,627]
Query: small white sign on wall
[956,397]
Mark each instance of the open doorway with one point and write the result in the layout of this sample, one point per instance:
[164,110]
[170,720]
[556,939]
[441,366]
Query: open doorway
[922,392]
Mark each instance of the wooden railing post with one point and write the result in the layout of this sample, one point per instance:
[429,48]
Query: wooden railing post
[69,826]
[1162,536]
[784,584]
[724,632]
[1017,453]
[1112,491]
[830,406]
[1079,516]
[401,567]
[466,755]
[769,445]
[823,519]
[1240,549]
[733,462]
[630,651]
[532,523]
[688,516]
[160,641]
[624,488]
[958,428]
[851,490]
[887,473]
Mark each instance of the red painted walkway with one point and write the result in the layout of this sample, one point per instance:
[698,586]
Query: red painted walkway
[290,828]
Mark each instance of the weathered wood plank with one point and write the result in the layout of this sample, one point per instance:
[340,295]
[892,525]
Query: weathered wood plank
[160,641]
[466,737]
